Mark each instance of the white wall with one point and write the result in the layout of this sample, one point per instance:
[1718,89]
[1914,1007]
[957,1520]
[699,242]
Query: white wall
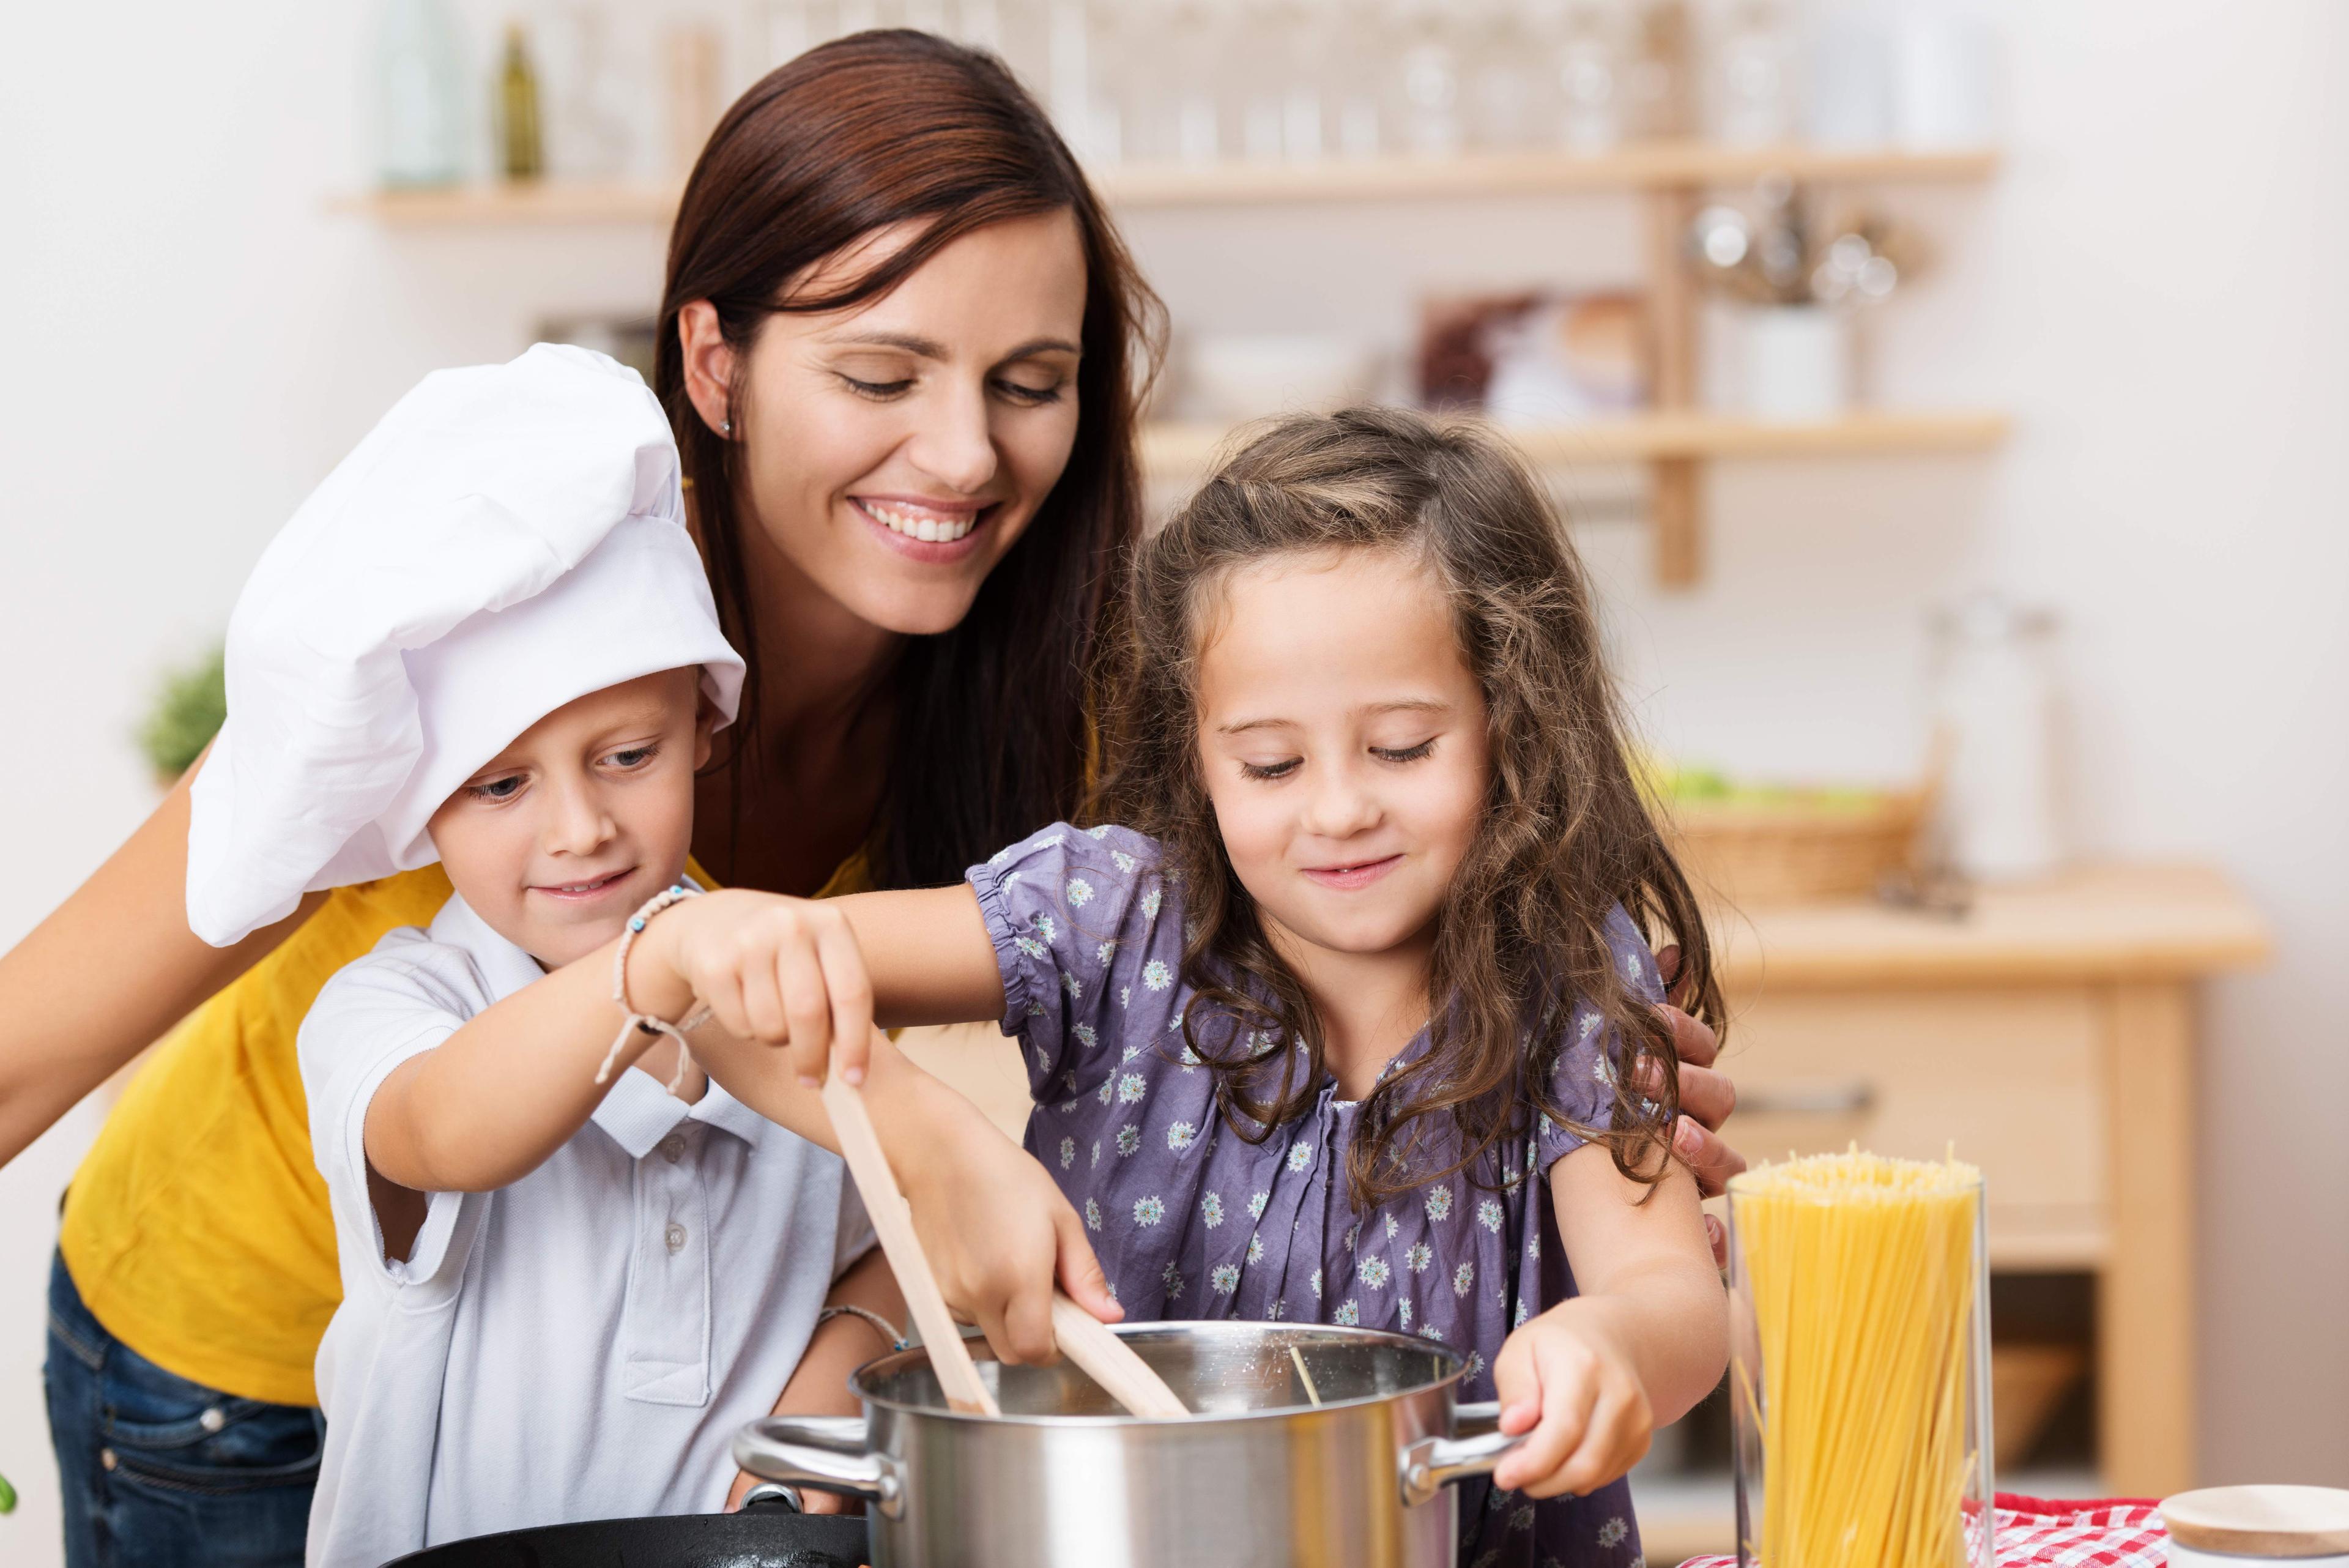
[193,340]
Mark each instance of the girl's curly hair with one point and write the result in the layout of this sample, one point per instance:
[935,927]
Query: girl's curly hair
[1566,837]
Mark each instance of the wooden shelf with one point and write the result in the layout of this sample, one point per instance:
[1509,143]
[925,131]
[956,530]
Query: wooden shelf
[1172,452]
[551,201]
[1656,165]
[1636,166]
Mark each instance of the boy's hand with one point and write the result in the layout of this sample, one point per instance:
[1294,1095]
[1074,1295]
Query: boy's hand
[999,1234]
[781,971]
[1564,1378]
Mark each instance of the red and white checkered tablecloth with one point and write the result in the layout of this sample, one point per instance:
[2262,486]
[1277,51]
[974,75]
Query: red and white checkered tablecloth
[2038,1532]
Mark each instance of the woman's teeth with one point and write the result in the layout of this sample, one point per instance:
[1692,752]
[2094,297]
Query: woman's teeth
[929,530]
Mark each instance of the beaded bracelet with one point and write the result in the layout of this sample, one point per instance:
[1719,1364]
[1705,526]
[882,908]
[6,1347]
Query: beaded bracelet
[644,1022]
[886,1329]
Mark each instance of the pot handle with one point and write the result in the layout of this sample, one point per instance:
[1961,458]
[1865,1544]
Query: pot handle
[1431,1464]
[821,1453]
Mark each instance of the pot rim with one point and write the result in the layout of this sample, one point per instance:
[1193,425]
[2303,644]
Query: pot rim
[860,1382]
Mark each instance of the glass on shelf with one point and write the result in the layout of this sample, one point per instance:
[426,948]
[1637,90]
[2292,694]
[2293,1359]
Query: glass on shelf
[1750,97]
[1424,76]
[1509,92]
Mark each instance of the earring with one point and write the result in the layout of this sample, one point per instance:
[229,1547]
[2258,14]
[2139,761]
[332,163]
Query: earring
[726,427]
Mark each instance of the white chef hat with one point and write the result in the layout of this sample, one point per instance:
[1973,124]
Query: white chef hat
[509,538]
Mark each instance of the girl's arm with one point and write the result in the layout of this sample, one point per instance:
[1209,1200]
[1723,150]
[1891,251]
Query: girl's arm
[490,1103]
[1647,1337]
[108,973]
[493,1101]
[819,1384]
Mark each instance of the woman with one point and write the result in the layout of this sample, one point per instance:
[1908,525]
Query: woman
[901,345]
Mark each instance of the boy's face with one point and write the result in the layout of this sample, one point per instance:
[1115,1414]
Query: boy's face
[1342,741]
[557,841]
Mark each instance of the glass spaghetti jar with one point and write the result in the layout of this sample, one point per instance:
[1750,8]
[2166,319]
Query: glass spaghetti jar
[1860,1363]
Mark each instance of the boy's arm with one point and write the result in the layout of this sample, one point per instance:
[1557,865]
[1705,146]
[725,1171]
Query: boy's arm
[819,1384]
[1644,1341]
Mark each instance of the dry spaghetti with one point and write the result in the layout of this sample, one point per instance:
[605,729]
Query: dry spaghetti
[1857,1292]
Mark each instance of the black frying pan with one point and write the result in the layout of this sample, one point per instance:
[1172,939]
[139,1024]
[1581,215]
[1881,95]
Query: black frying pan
[764,1535]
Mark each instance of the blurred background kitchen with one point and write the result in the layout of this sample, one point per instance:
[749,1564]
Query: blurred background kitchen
[1949,397]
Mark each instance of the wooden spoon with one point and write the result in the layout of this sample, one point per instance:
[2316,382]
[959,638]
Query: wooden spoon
[1083,1337]
[892,1222]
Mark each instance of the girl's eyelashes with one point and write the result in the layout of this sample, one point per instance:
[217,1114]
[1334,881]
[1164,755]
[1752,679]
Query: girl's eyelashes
[1280,770]
[1404,754]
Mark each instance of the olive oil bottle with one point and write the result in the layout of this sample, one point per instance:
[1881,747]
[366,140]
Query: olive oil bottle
[522,150]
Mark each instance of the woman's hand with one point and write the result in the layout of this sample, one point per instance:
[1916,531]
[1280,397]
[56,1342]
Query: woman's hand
[1563,1379]
[781,971]
[998,1235]
[1707,1098]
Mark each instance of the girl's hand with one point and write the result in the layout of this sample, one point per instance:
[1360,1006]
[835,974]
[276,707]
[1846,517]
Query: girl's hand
[781,971]
[1565,1378]
[999,1234]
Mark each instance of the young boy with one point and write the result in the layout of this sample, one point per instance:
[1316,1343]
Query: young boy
[487,639]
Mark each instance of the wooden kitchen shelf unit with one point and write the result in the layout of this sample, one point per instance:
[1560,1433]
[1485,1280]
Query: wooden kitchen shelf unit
[1172,452]
[1645,165]
[2051,1031]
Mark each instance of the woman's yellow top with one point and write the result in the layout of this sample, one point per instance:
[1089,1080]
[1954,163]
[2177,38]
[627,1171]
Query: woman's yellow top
[197,1229]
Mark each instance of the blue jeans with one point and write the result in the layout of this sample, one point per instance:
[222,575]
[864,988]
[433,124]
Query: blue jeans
[159,1472]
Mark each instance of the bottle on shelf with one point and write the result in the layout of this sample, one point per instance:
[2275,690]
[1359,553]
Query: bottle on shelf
[420,93]
[522,150]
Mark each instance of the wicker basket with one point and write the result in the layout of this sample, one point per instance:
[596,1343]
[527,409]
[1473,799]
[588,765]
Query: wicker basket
[1795,850]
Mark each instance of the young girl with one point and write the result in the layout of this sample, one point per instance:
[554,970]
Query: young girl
[1351,1021]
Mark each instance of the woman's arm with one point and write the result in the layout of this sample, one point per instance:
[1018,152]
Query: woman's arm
[819,1384]
[108,973]
[1593,1377]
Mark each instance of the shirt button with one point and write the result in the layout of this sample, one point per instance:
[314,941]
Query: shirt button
[672,1147]
[675,1237]
[212,1420]
[105,1458]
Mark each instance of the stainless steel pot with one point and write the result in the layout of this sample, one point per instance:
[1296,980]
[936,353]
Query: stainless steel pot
[1261,1478]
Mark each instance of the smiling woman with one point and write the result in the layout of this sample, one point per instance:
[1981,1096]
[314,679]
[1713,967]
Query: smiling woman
[901,347]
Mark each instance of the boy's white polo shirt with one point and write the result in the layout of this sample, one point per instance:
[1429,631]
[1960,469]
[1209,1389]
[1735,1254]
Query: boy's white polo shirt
[580,1345]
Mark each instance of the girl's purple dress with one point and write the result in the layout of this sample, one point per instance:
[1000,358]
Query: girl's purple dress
[1191,1221]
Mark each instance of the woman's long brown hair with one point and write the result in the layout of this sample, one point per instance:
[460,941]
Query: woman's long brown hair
[870,132]
[1566,839]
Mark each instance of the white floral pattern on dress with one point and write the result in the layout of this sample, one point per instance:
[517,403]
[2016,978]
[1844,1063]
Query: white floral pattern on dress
[1439,1203]
[1156,976]
[1068,1152]
[1085,1036]
[1611,1533]
[1211,1209]
[1129,1139]
[1080,892]
[1374,1274]
[1149,1211]
[1224,1279]
[1347,1314]
[1489,1215]
[1092,1215]
[1181,1136]
[1464,1278]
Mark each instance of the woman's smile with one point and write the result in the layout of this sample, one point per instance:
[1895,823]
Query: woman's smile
[933,532]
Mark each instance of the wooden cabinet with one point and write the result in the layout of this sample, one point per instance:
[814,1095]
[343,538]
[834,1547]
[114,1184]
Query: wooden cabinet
[2048,1036]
